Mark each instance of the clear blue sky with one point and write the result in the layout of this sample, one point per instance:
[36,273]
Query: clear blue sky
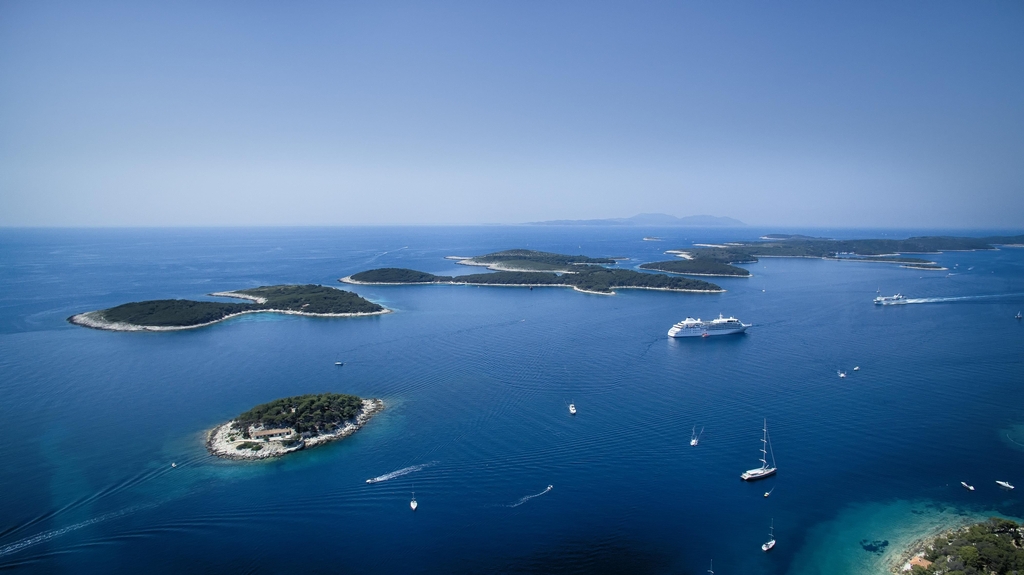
[289,113]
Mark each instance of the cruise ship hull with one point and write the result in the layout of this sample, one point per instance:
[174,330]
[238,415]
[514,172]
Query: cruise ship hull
[704,332]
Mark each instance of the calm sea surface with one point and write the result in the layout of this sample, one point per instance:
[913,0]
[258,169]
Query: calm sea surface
[476,381]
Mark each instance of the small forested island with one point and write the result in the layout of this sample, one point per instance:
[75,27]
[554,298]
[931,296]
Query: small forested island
[176,314]
[287,425]
[533,261]
[797,246]
[578,272]
[697,267]
[993,546]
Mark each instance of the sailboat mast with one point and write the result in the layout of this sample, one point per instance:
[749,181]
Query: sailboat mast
[764,446]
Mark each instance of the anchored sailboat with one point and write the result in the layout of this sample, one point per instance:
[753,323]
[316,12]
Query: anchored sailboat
[767,546]
[412,504]
[765,470]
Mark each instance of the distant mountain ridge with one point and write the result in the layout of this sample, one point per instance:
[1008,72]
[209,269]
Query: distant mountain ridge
[649,220]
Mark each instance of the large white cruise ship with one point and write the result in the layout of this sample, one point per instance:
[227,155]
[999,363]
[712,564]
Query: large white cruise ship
[690,327]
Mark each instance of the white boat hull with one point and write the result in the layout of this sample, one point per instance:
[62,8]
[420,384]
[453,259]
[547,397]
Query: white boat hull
[704,332]
[759,473]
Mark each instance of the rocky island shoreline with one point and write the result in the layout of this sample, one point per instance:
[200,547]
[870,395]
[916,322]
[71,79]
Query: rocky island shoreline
[253,437]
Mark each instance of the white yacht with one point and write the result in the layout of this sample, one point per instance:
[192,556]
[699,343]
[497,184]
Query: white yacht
[842,374]
[412,504]
[967,487]
[890,299]
[1005,484]
[694,436]
[690,327]
[765,470]
[767,546]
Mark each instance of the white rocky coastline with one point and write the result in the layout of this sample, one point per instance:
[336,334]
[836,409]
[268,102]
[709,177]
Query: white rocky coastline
[224,440]
[349,280]
[95,319]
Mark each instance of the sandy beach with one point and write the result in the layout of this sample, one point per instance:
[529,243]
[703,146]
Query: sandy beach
[223,440]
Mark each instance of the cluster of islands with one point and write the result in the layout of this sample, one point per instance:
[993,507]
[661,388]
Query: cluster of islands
[294,423]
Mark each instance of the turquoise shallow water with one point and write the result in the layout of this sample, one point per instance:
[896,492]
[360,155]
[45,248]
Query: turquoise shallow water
[476,380]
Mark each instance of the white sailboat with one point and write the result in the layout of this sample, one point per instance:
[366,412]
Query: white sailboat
[694,436]
[767,545]
[412,504]
[765,470]
[711,569]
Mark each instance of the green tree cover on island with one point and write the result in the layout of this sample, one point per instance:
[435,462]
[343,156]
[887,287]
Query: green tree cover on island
[696,266]
[598,280]
[994,546]
[748,251]
[533,256]
[179,312]
[317,413]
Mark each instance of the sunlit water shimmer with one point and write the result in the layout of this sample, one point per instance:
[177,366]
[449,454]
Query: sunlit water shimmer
[476,381]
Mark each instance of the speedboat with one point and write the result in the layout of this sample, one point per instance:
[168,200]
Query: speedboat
[1004,484]
[695,437]
[967,487]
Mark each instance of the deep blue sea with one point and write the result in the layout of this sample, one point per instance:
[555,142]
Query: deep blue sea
[476,381]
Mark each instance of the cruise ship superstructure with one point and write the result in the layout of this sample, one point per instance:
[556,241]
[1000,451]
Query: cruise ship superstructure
[690,327]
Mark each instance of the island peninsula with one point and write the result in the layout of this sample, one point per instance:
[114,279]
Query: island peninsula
[178,314]
[528,268]
[720,259]
[992,546]
[290,424]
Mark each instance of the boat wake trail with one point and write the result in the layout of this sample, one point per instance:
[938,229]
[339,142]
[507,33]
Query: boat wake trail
[48,535]
[529,497]
[400,472]
[908,300]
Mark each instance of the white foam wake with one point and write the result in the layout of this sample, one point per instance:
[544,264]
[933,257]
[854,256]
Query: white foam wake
[529,497]
[400,472]
[949,299]
[47,535]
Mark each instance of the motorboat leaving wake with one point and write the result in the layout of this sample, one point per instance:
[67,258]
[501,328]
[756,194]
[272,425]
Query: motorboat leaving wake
[400,472]
[529,497]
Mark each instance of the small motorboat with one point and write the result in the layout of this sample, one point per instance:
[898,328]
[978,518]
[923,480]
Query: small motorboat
[572,409]
[967,487]
[695,437]
[412,504]
[339,363]
[174,465]
[1004,484]
[856,368]
[842,375]
[768,545]
[769,492]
